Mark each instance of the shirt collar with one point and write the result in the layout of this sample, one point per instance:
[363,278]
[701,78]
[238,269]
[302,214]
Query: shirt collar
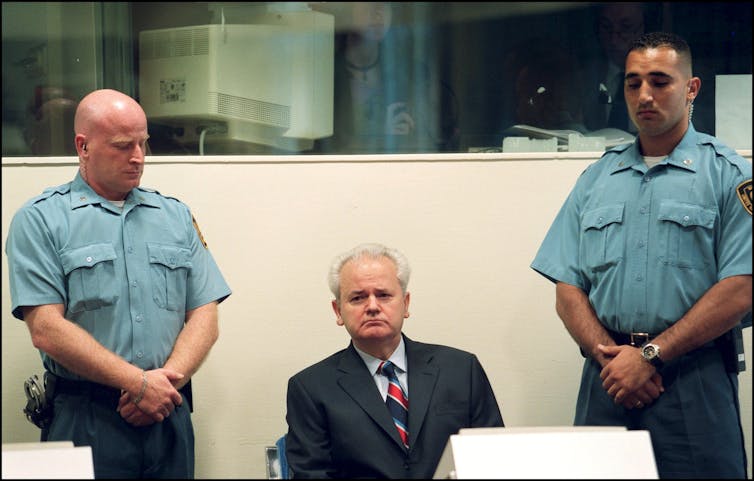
[683,156]
[398,358]
[82,194]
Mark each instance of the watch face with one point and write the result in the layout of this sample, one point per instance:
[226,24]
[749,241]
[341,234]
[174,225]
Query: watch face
[651,353]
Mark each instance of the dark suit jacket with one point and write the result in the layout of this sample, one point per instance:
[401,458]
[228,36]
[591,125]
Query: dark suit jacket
[339,426]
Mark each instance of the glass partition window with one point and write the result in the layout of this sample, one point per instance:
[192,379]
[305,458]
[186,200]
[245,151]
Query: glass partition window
[351,77]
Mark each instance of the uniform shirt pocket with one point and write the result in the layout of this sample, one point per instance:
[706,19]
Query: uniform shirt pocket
[686,234]
[601,242]
[90,274]
[169,268]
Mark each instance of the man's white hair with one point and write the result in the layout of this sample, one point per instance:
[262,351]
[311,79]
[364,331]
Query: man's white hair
[372,251]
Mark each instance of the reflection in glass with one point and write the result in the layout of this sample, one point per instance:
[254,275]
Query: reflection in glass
[407,76]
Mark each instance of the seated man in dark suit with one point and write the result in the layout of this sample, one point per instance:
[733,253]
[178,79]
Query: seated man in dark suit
[347,413]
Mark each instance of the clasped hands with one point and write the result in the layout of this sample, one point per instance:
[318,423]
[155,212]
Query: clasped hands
[398,121]
[159,399]
[628,378]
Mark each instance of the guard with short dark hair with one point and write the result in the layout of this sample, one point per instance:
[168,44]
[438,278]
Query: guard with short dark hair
[651,256]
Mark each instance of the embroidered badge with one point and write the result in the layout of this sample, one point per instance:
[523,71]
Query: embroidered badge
[744,194]
[201,237]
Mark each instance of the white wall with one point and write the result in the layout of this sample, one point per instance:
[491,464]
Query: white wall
[470,229]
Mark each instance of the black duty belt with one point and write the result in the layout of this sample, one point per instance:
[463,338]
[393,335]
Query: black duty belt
[730,344]
[98,392]
[636,339]
[106,394]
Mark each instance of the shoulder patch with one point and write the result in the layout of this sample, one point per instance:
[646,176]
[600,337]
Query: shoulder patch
[744,194]
[199,232]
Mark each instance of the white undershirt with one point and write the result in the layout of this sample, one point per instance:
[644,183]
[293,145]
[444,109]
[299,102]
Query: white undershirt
[652,161]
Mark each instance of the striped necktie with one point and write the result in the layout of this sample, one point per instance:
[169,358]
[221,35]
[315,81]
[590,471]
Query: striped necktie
[397,400]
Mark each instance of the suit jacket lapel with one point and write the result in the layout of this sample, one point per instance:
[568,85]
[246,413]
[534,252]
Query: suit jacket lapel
[357,382]
[422,377]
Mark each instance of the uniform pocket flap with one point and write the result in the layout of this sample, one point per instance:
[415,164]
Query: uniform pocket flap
[685,214]
[602,216]
[172,257]
[86,256]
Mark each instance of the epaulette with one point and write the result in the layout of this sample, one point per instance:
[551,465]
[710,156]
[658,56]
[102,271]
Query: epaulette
[50,191]
[611,152]
[150,190]
[618,148]
[725,152]
[720,148]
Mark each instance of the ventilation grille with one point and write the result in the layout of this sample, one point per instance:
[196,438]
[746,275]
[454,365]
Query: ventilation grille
[174,43]
[249,109]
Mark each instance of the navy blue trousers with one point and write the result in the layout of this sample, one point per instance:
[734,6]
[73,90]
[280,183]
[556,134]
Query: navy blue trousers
[695,425]
[120,450]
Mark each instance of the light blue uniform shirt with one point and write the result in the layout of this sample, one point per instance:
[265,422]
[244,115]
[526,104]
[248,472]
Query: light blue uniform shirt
[646,244]
[127,276]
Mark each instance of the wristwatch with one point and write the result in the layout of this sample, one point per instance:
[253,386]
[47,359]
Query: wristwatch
[651,353]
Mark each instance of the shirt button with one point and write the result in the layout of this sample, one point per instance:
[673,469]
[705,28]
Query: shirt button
[641,243]
[139,354]
[133,283]
[639,278]
[89,259]
[130,250]
[138,318]
[685,218]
